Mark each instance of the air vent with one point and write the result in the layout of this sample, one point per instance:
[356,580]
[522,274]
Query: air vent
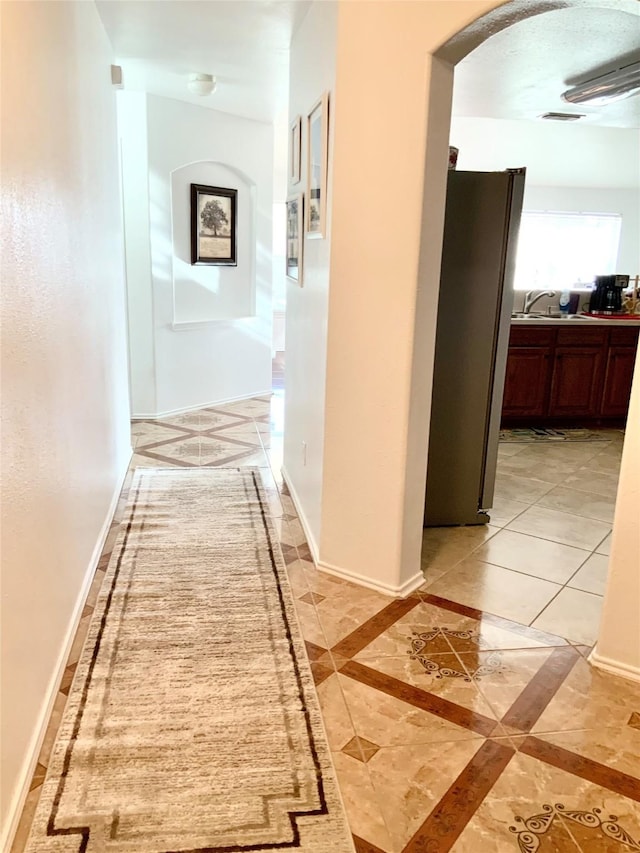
[562,116]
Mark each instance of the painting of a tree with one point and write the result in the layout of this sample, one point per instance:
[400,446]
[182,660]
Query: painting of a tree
[213,225]
[213,216]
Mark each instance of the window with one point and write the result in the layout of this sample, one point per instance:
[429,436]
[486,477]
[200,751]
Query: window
[562,250]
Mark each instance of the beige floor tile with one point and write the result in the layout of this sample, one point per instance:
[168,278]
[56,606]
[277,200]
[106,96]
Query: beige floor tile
[364,811]
[532,555]
[441,674]
[309,623]
[609,463]
[548,470]
[598,482]
[529,788]
[244,431]
[387,721]
[144,433]
[562,527]
[573,614]
[454,633]
[587,504]
[503,675]
[26,819]
[138,460]
[507,448]
[298,578]
[519,488]
[505,510]
[444,547]
[410,780]
[497,590]
[78,640]
[617,748]
[591,699]
[336,717]
[592,577]
[605,546]
[52,729]
[345,608]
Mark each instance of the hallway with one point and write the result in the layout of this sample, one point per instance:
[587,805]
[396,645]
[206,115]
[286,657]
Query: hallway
[450,728]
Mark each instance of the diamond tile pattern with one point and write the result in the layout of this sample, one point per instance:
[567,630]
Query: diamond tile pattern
[451,728]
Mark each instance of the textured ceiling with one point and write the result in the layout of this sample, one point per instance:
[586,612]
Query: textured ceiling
[244,43]
[518,73]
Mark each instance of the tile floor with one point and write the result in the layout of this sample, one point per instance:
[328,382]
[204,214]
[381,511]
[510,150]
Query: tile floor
[465,717]
[542,560]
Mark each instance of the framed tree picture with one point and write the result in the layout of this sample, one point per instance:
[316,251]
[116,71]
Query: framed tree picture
[295,150]
[317,138]
[213,225]
[295,227]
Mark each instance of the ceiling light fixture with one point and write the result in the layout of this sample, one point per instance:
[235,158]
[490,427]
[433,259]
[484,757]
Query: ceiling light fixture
[613,86]
[201,84]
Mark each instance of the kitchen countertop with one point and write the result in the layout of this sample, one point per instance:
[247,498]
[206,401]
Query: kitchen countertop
[578,321]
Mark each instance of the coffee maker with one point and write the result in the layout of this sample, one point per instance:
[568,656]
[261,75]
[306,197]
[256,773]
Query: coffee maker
[607,295]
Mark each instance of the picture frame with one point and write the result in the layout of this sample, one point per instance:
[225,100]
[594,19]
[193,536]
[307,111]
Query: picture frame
[295,243]
[213,225]
[295,150]
[317,152]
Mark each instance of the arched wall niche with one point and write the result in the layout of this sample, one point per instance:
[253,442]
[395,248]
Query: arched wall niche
[209,292]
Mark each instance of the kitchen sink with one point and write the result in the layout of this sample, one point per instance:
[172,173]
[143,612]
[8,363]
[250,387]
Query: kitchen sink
[556,315]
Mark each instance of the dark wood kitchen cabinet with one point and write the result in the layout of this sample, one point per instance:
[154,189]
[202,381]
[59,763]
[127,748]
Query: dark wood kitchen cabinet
[526,382]
[617,381]
[559,375]
[576,382]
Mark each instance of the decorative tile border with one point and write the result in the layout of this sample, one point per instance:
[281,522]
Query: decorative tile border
[586,768]
[436,705]
[526,710]
[443,826]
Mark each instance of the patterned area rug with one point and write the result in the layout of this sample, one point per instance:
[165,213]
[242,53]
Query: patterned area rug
[526,436]
[192,723]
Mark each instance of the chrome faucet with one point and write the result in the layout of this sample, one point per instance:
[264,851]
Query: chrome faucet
[530,300]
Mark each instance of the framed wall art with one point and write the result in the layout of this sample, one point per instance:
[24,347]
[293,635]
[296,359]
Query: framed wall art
[295,150]
[213,225]
[317,137]
[295,229]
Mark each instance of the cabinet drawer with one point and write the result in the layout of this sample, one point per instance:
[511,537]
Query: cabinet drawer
[531,336]
[621,337]
[582,336]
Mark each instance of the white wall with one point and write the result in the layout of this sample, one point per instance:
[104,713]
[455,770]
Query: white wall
[312,72]
[570,167]
[555,154]
[203,292]
[210,327]
[65,430]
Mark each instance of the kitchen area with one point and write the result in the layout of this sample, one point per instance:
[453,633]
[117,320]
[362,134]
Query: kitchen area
[537,551]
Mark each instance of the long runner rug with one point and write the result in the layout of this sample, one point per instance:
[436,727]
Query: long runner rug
[192,724]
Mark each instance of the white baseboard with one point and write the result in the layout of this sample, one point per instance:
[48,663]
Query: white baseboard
[14,811]
[402,591]
[311,541]
[214,403]
[623,670]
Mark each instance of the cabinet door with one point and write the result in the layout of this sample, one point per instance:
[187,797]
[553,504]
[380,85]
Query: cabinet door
[526,382]
[576,385]
[617,381]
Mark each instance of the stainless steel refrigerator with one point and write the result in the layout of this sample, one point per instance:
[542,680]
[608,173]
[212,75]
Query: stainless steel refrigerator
[482,218]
